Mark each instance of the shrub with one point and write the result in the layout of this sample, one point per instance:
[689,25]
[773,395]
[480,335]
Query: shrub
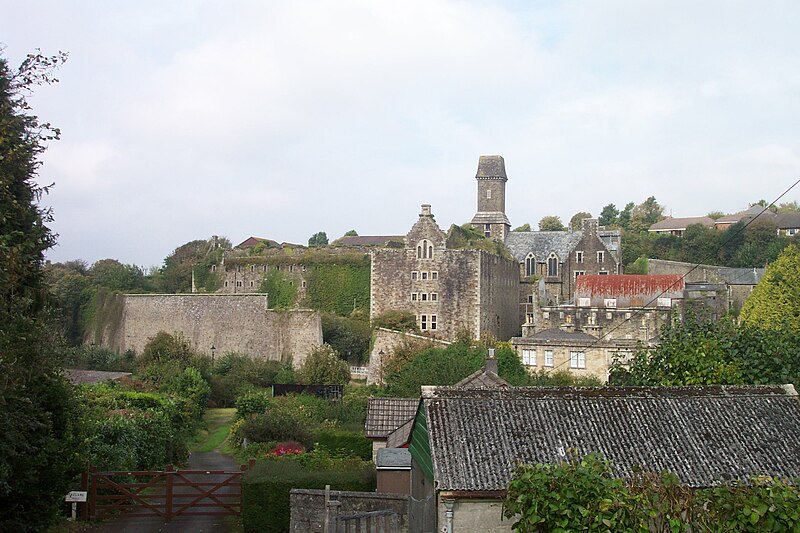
[255,402]
[265,488]
[344,443]
[276,425]
[347,336]
[324,367]
[397,320]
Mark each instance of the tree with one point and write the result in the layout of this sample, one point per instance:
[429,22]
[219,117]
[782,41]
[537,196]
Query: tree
[323,366]
[576,221]
[624,218]
[116,276]
[524,227]
[646,214]
[318,239]
[608,216]
[551,223]
[789,207]
[37,444]
[197,256]
[716,215]
[774,303]
[351,233]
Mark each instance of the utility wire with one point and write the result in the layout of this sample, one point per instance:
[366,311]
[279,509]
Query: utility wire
[683,277]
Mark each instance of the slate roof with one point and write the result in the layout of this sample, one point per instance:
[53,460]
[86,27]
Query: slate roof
[542,243]
[741,276]
[384,415]
[399,437]
[669,224]
[619,285]
[393,459]
[788,220]
[702,434]
[748,214]
[491,166]
[252,241]
[482,378]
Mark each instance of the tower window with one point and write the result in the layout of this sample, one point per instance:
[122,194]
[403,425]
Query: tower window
[424,250]
[488,194]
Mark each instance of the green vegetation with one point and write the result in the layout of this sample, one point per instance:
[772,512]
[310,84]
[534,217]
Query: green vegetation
[465,237]
[266,487]
[323,366]
[576,222]
[580,494]
[213,434]
[338,288]
[551,223]
[397,320]
[696,352]
[280,289]
[774,304]
[349,337]
[524,227]
[318,239]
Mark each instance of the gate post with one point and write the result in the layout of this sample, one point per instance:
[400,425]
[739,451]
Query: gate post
[168,492]
[85,486]
[92,492]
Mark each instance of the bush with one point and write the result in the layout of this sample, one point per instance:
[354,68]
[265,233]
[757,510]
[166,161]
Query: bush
[99,358]
[274,426]
[255,402]
[397,321]
[324,367]
[265,488]
[345,443]
[349,337]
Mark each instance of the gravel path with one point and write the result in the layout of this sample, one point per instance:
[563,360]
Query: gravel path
[193,524]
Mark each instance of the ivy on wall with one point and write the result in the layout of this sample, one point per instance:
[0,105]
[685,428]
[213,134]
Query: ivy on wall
[338,288]
[103,315]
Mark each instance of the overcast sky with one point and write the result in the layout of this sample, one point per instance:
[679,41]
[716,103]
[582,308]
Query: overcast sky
[184,119]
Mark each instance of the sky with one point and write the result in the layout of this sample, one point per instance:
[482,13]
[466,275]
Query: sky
[278,119]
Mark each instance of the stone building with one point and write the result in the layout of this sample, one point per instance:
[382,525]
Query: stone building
[448,290]
[491,217]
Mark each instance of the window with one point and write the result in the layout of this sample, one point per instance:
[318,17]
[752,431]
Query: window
[579,273]
[434,297]
[252,268]
[601,257]
[577,360]
[423,322]
[251,283]
[433,321]
[546,314]
[424,275]
[609,316]
[424,250]
[291,268]
[414,275]
[488,194]
[434,275]
[528,357]
[265,268]
[530,298]
[303,268]
[664,302]
[603,272]
[552,265]
[413,296]
[487,230]
[610,303]
[529,318]
[584,302]
[213,268]
[627,316]
[424,296]
[239,283]
[579,257]
[303,284]
[592,319]
[238,269]
[548,358]
[226,283]
[530,265]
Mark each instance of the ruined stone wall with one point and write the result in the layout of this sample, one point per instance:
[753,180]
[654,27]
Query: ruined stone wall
[308,507]
[693,273]
[248,278]
[231,323]
[634,324]
[499,297]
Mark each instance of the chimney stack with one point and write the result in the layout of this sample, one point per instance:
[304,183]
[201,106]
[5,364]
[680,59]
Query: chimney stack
[491,363]
[426,210]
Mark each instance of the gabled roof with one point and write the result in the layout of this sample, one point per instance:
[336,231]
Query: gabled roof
[748,214]
[680,224]
[482,378]
[252,241]
[629,285]
[399,437]
[702,434]
[384,415]
[542,244]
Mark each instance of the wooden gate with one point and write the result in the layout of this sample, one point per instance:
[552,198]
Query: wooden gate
[165,494]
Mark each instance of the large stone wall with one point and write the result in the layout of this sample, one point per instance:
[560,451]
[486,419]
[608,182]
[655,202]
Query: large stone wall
[499,294]
[308,507]
[229,322]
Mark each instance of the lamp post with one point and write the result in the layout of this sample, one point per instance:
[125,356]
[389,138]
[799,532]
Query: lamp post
[213,349]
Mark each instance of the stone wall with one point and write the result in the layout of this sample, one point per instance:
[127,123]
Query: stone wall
[632,324]
[384,344]
[499,294]
[247,278]
[308,507]
[475,516]
[230,322]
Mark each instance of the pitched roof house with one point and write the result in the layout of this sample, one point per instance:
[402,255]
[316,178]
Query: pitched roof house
[677,226]
[465,444]
[384,416]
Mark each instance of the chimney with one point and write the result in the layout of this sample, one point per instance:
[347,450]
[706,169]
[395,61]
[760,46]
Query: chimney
[426,210]
[491,363]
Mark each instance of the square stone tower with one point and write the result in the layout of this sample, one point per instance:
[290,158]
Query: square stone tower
[491,217]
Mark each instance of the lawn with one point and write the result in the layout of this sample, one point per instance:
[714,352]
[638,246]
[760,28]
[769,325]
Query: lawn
[211,437]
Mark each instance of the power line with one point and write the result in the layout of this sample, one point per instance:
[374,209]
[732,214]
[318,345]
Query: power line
[683,277]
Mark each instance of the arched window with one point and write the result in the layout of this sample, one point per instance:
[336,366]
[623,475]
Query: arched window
[530,264]
[552,265]
[424,250]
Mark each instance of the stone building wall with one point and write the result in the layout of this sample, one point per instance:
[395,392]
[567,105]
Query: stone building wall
[248,278]
[308,507]
[231,323]
[633,324]
[590,256]
[499,294]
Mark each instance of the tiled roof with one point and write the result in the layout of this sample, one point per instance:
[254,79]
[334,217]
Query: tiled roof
[399,437]
[616,286]
[702,434]
[788,220]
[669,224]
[393,459]
[368,240]
[384,415]
[542,243]
[482,378]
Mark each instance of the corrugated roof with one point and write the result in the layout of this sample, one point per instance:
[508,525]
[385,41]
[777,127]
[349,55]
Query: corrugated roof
[670,224]
[629,285]
[702,434]
[384,415]
[542,244]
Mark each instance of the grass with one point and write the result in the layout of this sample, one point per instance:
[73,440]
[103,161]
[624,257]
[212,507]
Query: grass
[212,437]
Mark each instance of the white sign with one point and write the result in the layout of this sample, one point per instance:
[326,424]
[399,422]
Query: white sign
[76,496]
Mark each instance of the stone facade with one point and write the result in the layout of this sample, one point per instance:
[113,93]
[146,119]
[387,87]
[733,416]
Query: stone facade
[231,323]
[247,278]
[491,217]
[448,290]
